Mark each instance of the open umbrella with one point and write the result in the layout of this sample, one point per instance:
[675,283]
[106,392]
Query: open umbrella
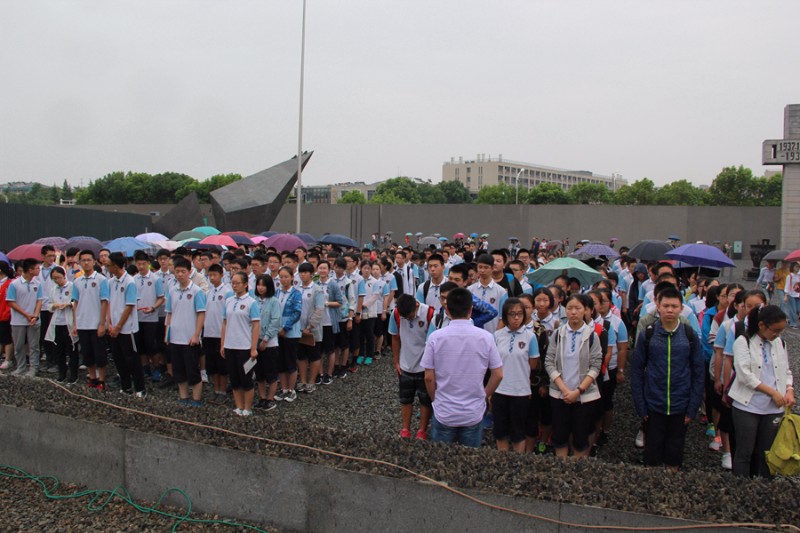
[306,238]
[484,235]
[513,239]
[83,242]
[459,235]
[285,242]
[240,239]
[57,242]
[207,230]
[429,241]
[26,251]
[568,266]
[184,235]
[129,246]
[151,237]
[701,255]
[5,259]
[418,234]
[242,233]
[259,239]
[338,240]
[409,234]
[221,240]
[473,235]
[197,245]
[650,250]
[437,235]
[779,255]
[443,239]
[673,238]
[598,250]
[167,245]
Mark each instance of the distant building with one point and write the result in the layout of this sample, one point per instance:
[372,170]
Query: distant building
[331,194]
[483,170]
[17,186]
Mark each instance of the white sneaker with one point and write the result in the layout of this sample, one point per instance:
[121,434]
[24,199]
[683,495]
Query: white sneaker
[639,442]
[715,444]
[300,387]
[727,461]
[246,412]
[237,412]
[204,376]
[290,396]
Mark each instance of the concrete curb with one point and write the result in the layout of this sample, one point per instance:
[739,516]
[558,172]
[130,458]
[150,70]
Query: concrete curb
[286,494]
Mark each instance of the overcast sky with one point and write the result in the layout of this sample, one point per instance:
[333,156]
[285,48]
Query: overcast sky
[667,90]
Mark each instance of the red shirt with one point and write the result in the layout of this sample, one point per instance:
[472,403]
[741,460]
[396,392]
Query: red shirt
[5,310]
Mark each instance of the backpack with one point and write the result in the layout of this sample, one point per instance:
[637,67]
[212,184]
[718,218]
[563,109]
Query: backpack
[783,457]
[399,281]
[396,314]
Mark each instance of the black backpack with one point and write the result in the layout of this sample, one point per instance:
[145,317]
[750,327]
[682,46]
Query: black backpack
[399,281]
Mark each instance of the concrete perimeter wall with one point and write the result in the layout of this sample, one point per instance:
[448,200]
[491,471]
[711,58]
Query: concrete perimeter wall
[286,494]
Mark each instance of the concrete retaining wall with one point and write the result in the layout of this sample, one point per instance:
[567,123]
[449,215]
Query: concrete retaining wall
[286,494]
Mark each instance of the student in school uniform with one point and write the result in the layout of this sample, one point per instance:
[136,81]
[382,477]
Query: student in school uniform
[186,312]
[121,323]
[162,359]
[150,297]
[487,290]
[240,328]
[91,294]
[24,297]
[62,326]
[47,265]
[218,293]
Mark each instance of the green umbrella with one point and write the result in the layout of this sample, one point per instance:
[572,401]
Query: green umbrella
[189,236]
[569,267]
[207,230]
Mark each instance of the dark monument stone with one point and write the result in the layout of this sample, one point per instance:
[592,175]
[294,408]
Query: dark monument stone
[185,215]
[252,204]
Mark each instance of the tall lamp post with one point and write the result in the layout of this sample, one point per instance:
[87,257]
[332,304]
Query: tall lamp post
[299,193]
[516,181]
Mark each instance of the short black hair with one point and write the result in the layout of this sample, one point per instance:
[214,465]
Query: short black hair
[436,257]
[140,255]
[459,303]
[29,264]
[461,269]
[86,252]
[47,248]
[485,259]
[513,302]
[181,262]
[162,252]
[117,259]
[669,291]
[306,267]
[406,304]
[545,291]
[447,286]
[215,268]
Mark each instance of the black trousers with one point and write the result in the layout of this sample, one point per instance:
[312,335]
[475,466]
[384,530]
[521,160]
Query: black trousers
[664,439]
[63,350]
[127,361]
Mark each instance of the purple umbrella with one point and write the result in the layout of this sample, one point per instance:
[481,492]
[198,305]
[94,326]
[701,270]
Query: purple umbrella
[268,233]
[241,239]
[82,242]
[57,242]
[5,259]
[701,255]
[285,242]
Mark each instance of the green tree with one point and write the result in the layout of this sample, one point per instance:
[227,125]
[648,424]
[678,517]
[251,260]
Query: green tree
[589,193]
[66,191]
[455,192]
[401,188]
[769,191]
[547,193]
[431,194]
[205,187]
[55,195]
[733,186]
[640,192]
[681,192]
[388,197]
[352,197]
[496,194]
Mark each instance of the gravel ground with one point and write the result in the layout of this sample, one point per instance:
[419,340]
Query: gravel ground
[360,416]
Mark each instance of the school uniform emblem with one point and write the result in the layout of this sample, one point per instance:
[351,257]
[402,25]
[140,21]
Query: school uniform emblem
[94,284]
[491,300]
[521,345]
[66,293]
[241,307]
[219,297]
[149,283]
[188,296]
[421,323]
[122,289]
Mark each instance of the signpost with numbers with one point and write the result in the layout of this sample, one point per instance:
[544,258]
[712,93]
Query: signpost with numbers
[786,152]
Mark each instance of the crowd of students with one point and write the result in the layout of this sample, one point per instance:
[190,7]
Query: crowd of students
[472,341]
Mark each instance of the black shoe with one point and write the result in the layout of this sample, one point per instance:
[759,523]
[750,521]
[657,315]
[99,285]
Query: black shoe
[72,379]
[602,440]
[166,382]
[61,379]
[318,381]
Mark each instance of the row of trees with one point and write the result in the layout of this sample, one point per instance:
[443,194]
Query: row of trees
[143,188]
[732,186]
[39,194]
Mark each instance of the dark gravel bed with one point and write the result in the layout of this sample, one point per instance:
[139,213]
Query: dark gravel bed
[27,509]
[360,416]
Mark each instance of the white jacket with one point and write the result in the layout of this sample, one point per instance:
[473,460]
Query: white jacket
[747,361]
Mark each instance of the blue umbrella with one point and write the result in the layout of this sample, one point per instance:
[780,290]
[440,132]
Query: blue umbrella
[338,240]
[241,239]
[473,235]
[306,237]
[269,233]
[129,245]
[701,255]
[443,239]
[5,259]
[673,238]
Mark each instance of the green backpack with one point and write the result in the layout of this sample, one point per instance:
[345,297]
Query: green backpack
[784,455]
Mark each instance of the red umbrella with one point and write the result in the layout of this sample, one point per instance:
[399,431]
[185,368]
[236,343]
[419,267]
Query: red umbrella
[794,256]
[220,240]
[26,251]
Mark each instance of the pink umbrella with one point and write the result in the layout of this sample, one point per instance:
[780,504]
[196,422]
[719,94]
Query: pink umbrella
[459,236]
[258,238]
[57,242]
[242,233]
[220,240]
[26,251]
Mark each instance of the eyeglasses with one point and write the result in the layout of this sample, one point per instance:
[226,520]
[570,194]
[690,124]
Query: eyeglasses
[516,314]
[776,332]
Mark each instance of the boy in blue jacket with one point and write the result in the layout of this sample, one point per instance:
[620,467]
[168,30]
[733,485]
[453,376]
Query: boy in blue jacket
[667,381]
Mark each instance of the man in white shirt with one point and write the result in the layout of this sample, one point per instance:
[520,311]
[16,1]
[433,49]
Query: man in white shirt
[91,294]
[122,322]
[24,297]
[486,290]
